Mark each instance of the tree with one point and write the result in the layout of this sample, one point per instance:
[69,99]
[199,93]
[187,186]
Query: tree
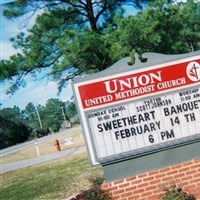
[76,37]
[162,28]
[31,117]
[12,127]
[71,109]
[53,114]
[64,37]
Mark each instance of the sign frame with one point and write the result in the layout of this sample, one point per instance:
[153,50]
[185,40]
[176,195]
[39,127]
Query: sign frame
[119,69]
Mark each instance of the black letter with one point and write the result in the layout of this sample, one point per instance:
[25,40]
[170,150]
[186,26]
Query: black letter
[99,126]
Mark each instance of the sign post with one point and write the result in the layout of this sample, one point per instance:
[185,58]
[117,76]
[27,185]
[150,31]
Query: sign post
[145,108]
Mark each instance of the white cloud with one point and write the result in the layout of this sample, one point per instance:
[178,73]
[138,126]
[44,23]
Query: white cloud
[6,1]
[40,94]
[35,92]
[178,1]
[7,50]
[184,1]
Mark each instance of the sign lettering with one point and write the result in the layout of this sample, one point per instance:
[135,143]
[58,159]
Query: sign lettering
[140,84]
[141,110]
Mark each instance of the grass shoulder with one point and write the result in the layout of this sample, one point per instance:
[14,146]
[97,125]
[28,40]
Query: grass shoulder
[57,179]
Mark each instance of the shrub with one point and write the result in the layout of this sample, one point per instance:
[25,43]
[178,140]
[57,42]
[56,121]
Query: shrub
[176,193]
[95,192]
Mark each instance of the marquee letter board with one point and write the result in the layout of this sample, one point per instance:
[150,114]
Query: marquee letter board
[127,111]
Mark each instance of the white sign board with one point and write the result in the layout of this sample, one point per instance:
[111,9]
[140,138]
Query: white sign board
[68,141]
[141,110]
[140,124]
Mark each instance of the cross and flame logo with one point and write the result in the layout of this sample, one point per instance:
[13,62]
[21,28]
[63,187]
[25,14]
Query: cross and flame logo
[193,71]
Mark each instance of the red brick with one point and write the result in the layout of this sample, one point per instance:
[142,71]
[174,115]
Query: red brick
[151,187]
[153,197]
[146,194]
[131,178]
[123,198]
[128,194]
[118,192]
[134,197]
[186,178]
[196,166]
[197,180]
[197,161]
[142,175]
[118,182]
[176,166]
[117,197]
[124,185]
[146,186]
[132,188]
[184,169]
[153,172]
[160,175]
[150,178]
[142,185]
[113,188]
[184,183]
[187,163]
[157,191]
[196,175]
[166,169]
[155,182]
[172,172]
[179,175]
[138,191]
[190,188]
[168,178]
[191,172]
[136,182]
[144,198]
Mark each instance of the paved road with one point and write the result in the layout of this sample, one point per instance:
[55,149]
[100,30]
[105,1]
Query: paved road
[41,159]
[21,146]
[15,148]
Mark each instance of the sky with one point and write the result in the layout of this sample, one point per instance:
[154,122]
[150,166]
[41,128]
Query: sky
[37,92]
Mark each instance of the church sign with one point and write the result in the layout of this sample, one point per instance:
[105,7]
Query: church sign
[140,110]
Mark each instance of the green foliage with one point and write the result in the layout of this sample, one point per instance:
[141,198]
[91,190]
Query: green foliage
[20,125]
[30,115]
[53,116]
[12,127]
[71,109]
[95,192]
[176,193]
[162,28]
[96,180]
[74,38]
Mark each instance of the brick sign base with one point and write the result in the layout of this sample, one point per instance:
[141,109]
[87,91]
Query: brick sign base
[149,185]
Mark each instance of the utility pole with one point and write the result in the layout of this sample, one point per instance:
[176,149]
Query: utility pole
[63,113]
[38,114]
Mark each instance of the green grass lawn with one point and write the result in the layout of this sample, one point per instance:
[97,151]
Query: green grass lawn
[53,180]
